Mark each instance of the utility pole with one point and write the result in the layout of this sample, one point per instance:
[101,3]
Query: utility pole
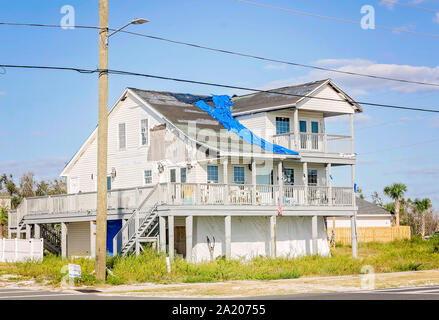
[101,215]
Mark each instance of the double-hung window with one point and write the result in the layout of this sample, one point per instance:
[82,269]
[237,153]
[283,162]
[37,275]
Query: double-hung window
[289,176]
[148,176]
[282,125]
[212,174]
[312,177]
[144,131]
[182,175]
[238,175]
[122,137]
[173,177]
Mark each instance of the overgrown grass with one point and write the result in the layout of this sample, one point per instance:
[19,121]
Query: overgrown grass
[414,254]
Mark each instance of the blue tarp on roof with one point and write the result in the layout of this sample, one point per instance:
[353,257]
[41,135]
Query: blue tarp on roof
[222,113]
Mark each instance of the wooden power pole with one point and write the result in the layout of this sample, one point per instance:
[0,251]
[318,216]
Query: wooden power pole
[101,216]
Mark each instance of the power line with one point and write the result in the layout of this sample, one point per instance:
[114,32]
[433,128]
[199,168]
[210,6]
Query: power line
[119,72]
[336,19]
[296,64]
[395,2]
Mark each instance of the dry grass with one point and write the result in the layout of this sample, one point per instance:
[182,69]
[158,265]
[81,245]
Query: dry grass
[409,255]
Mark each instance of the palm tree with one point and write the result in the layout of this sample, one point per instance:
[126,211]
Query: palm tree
[422,205]
[396,192]
[3,220]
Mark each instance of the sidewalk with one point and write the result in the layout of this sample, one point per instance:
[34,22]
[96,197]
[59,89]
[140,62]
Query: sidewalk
[249,288]
[278,287]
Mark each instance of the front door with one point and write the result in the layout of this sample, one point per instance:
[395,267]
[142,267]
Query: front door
[180,240]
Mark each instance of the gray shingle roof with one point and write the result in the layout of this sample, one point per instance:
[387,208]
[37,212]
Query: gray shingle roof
[367,208]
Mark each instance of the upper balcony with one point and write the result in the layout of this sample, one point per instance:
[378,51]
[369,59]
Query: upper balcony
[315,142]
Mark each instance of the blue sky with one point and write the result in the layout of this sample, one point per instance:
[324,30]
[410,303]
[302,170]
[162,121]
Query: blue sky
[46,115]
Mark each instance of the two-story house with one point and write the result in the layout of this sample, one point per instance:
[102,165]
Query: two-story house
[251,179]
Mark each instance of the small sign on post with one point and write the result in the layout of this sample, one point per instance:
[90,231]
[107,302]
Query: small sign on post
[74,271]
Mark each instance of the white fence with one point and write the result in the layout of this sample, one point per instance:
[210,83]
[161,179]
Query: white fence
[19,250]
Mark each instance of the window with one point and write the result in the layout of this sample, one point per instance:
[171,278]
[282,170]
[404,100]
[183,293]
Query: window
[282,125]
[144,131]
[172,174]
[148,176]
[108,182]
[238,175]
[182,175]
[289,176]
[314,127]
[302,126]
[122,136]
[212,174]
[312,177]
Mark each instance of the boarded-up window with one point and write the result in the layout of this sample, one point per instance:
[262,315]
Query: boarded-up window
[144,131]
[122,136]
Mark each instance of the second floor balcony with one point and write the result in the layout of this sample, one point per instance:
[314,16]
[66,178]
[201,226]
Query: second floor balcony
[315,142]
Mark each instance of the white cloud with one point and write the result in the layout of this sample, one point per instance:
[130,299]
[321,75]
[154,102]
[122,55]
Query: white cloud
[436,18]
[275,67]
[2,93]
[357,85]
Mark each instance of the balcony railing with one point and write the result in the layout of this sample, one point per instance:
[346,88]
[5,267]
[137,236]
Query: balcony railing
[316,142]
[187,194]
[243,194]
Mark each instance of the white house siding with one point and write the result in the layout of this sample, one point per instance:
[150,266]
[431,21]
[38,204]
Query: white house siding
[362,221]
[326,92]
[78,238]
[257,123]
[251,237]
[129,163]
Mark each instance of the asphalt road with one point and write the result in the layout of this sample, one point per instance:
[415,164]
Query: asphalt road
[410,293]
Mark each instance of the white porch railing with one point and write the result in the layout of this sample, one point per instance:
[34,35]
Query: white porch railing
[81,202]
[317,142]
[187,194]
[242,194]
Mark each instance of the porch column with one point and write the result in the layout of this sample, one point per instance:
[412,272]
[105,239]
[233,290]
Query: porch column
[353,184]
[351,121]
[93,239]
[226,180]
[37,231]
[305,182]
[189,231]
[354,236]
[28,231]
[254,181]
[162,233]
[296,129]
[314,235]
[273,236]
[171,236]
[63,239]
[329,182]
[228,231]
[280,180]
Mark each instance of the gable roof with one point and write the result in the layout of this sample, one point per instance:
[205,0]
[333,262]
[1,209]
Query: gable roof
[269,101]
[369,208]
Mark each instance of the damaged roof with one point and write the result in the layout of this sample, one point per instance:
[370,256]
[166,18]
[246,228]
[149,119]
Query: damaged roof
[180,113]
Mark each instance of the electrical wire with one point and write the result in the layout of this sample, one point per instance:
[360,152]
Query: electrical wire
[120,72]
[395,2]
[193,45]
[336,19]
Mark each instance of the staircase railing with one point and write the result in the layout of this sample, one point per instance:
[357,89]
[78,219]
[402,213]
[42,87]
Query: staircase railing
[131,226]
[51,235]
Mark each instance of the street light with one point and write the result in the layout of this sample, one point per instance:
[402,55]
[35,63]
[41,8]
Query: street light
[135,21]
[102,152]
